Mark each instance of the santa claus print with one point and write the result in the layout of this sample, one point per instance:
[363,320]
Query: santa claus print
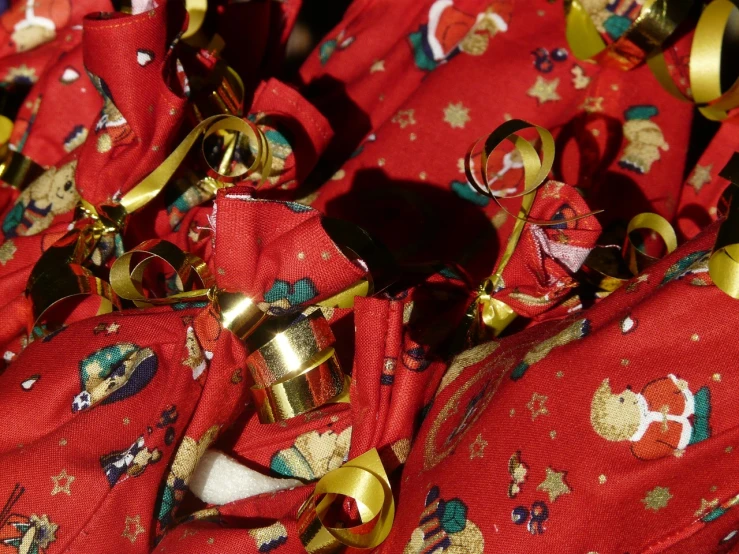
[35,22]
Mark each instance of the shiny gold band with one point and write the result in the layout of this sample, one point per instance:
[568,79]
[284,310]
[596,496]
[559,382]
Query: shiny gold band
[322,381]
[237,312]
[656,21]
[17,170]
[290,349]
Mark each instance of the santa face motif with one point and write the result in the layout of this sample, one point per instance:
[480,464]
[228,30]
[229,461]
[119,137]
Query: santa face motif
[35,22]
[450,30]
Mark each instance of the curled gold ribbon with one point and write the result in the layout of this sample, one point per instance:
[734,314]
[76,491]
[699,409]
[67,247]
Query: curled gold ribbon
[70,281]
[235,311]
[153,183]
[613,267]
[128,281]
[536,169]
[77,245]
[494,315]
[723,265]
[705,64]
[196,10]
[362,479]
[656,21]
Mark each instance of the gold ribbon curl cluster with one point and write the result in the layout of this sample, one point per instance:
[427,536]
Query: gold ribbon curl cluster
[644,40]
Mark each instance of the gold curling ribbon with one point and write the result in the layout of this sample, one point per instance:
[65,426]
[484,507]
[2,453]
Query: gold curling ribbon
[128,281]
[495,314]
[723,265]
[614,267]
[362,479]
[656,21]
[705,64]
[345,298]
[77,245]
[235,311]
[69,281]
[153,184]
[196,10]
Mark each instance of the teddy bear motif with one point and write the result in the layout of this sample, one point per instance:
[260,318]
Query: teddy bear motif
[645,140]
[52,194]
[444,528]
[664,418]
[183,466]
[313,455]
[35,22]
[130,462]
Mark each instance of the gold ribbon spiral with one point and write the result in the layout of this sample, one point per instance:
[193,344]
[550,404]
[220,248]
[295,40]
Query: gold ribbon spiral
[705,64]
[494,314]
[723,265]
[362,479]
[78,244]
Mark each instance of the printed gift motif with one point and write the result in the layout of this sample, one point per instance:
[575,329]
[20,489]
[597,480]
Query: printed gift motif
[663,418]
[444,527]
[26,534]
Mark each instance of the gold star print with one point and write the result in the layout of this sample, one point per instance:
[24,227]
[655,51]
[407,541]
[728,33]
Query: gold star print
[477,447]
[460,165]
[706,506]
[7,251]
[456,115]
[112,328]
[701,176]
[657,498]
[404,118]
[379,65]
[544,91]
[536,405]
[592,104]
[554,484]
[59,487]
[132,528]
